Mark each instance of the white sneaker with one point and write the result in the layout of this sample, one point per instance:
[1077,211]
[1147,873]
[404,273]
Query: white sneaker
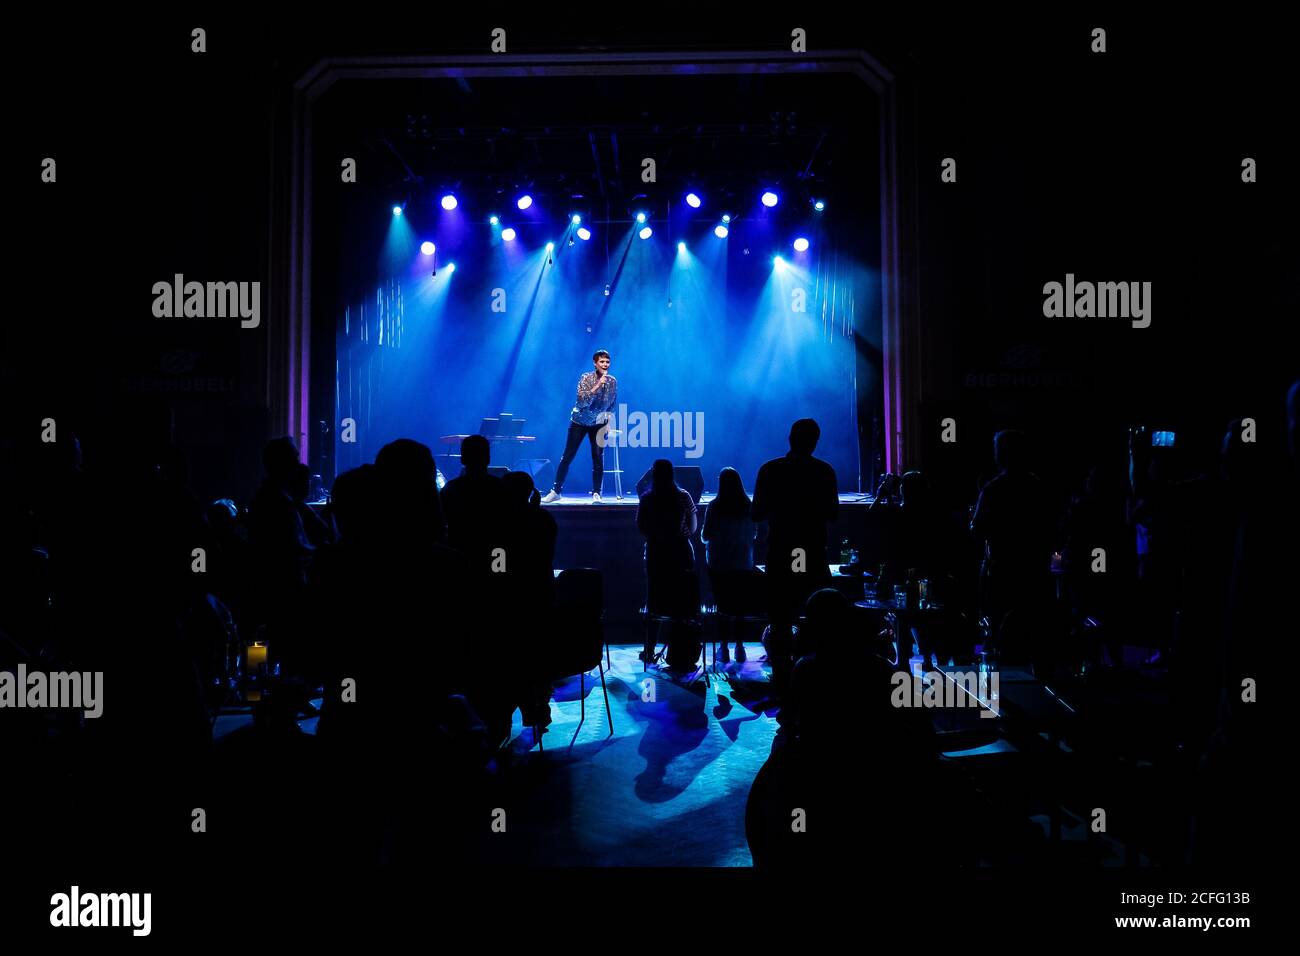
[595,497]
[551,495]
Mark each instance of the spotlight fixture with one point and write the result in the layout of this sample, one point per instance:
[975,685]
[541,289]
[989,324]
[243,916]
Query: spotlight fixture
[493,219]
[726,217]
[524,201]
[778,262]
[428,248]
[693,200]
[451,267]
[720,231]
[640,217]
[397,210]
[681,247]
[576,220]
[584,233]
[550,246]
[646,233]
[819,205]
[449,202]
[801,244]
[508,234]
[769,199]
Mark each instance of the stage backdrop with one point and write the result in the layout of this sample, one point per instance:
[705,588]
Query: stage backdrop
[717,335]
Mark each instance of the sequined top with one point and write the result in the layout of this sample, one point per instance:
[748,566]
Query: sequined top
[594,401]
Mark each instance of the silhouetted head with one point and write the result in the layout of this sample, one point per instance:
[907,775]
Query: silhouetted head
[731,498]
[221,514]
[825,625]
[519,486]
[475,453]
[354,502]
[1010,449]
[915,489]
[804,435]
[407,461]
[280,457]
[661,474]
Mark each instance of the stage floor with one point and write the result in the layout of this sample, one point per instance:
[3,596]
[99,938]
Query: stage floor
[630,501]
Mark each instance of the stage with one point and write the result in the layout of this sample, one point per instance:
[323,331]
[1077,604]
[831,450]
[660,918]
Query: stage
[604,536]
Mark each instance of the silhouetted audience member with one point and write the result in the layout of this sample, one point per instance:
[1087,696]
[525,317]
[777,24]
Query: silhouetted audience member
[1014,522]
[728,536]
[475,506]
[798,496]
[667,519]
[531,533]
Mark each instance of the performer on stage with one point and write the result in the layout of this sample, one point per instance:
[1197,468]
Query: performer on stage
[597,393]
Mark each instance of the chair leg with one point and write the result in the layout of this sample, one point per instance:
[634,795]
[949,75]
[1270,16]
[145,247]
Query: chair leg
[608,713]
[537,737]
[608,665]
[582,702]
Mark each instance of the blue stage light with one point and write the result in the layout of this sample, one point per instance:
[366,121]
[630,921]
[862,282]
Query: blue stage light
[451,267]
[397,210]
[449,202]
[819,205]
[778,262]
[428,248]
[584,233]
[493,219]
[681,247]
[769,199]
[801,244]
[646,233]
[726,217]
[550,246]
[720,231]
[640,217]
[525,201]
[576,219]
[693,200]
[508,234]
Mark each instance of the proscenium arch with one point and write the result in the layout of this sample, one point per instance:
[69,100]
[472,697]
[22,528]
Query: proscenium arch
[289,295]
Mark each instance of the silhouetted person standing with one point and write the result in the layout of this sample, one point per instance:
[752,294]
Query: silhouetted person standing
[798,496]
[1013,522]
[475,505]
[667,518]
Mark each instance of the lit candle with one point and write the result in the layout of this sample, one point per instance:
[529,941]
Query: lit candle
[256,665]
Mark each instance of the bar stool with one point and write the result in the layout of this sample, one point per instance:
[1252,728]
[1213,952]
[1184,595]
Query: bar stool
[611,440]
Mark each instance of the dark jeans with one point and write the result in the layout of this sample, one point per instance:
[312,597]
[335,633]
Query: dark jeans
[571,444]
